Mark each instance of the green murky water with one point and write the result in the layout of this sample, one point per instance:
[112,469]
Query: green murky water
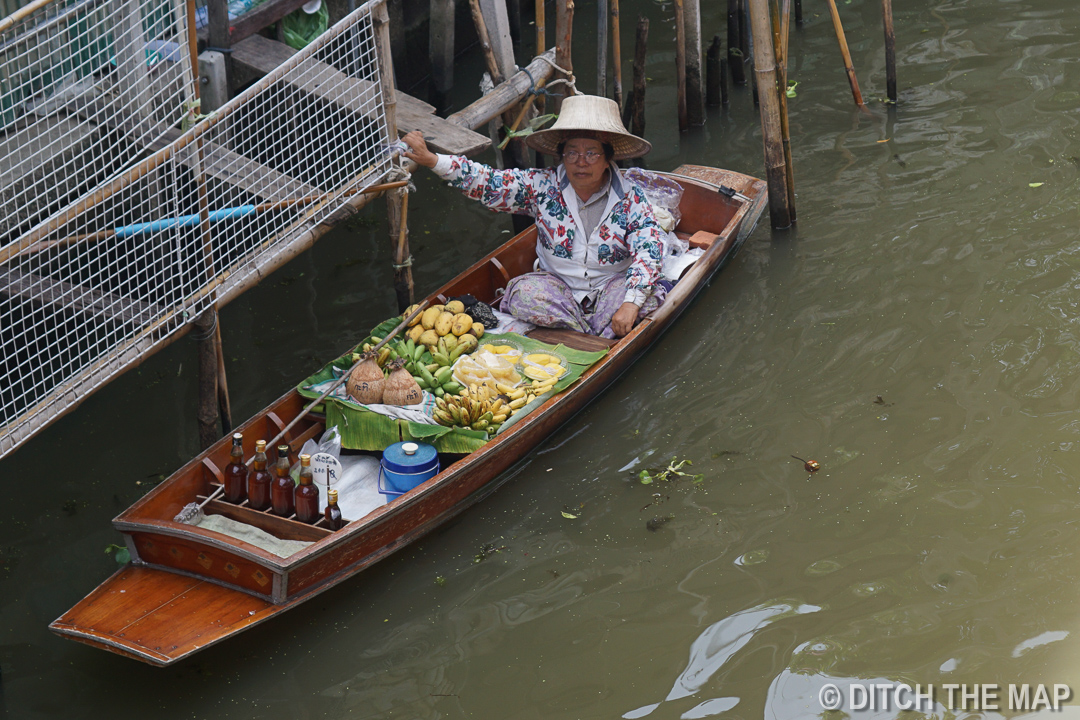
[938,543]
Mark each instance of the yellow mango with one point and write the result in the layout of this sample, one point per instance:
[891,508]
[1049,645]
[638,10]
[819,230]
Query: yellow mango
[416,320]
[429,317]
[462,324]
[443,323]
[415,332]
[478,330]
[455,306]
[429,338]
[469,341]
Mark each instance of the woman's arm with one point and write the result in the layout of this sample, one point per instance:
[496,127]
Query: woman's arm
[501,190]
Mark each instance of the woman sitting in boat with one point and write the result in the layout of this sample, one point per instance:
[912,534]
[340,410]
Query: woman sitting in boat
[599,249]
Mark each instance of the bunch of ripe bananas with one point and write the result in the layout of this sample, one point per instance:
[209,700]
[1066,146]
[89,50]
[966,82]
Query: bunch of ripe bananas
[474,407]
[480,407]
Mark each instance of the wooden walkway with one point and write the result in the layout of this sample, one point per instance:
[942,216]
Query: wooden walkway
[256,56]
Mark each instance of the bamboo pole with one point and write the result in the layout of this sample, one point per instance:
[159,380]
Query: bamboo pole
[397,201]
[765,72]
[616,52]
[601,47]
[890,49]
[564,33]
[695,95]
[735,56]
[485,42]
[680,65]
[780,27]
[842,40]
[541,41]
[637,104]
[397,205]
[505,96]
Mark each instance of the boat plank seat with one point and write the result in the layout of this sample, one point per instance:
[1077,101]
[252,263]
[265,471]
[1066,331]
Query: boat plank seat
[256,56]
[571,339]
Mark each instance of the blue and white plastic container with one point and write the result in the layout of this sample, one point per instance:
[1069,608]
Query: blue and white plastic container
[406,465]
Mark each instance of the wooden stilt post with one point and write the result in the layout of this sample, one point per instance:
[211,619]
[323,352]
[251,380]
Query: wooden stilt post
[224,406]
[842,40]
[513,15]
[680,65]
[564,33]
[616,52]
[695,96]
[601,47]
[765,73]
[207,414]
[724,97]
[637,113]
[890,50]
[712,73]
[441,49]
[735,56]
[745,36]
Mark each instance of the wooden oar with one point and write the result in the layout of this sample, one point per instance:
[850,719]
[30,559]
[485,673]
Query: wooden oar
[419,309]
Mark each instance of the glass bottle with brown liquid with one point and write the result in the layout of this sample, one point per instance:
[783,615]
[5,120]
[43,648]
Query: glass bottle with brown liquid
[259,480]
[236,472]
[281,490]
[307,494]
[334,520]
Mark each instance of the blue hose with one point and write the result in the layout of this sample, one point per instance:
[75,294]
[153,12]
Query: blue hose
[184,221]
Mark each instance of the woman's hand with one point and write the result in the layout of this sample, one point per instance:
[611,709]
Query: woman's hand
[624,319]
[420,153]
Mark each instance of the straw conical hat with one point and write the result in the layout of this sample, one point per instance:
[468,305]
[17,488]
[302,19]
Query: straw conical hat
[591,117]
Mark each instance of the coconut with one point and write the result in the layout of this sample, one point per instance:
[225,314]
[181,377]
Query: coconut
[365,384]
[401,388]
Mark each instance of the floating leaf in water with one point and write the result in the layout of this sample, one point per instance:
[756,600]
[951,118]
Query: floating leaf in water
[569,516]
[646,478]
[792,84]
[119,553]
[1034,185]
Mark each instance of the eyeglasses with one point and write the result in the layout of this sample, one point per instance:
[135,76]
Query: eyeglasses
[572,156]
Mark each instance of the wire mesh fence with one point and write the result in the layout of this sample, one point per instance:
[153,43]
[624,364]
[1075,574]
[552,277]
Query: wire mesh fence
[125,225]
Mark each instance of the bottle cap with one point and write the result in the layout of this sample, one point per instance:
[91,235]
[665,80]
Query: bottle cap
[260,446]
[305,459]
[283,449]
[331,495]
[237,436]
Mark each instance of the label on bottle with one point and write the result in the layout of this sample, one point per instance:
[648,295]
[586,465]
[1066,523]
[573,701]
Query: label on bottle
[325,469]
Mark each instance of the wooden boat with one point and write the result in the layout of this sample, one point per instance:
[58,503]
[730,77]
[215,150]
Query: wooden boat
[187,588]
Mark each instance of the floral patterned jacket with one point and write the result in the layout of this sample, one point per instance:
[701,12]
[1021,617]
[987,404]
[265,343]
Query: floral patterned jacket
[627,240]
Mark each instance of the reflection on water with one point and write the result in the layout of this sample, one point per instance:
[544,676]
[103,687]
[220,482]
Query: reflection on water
[916,335]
